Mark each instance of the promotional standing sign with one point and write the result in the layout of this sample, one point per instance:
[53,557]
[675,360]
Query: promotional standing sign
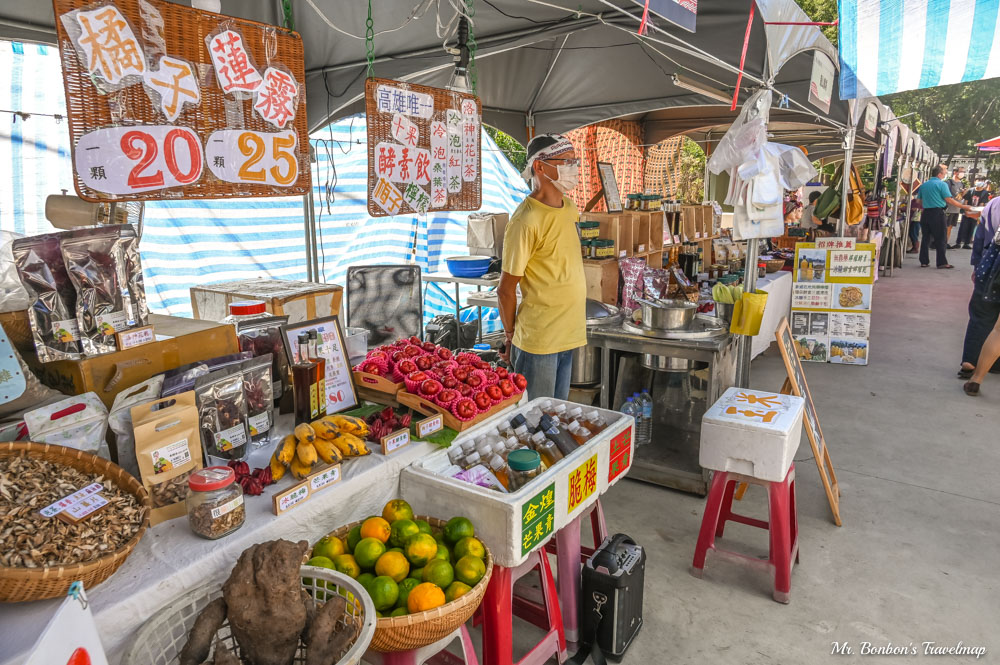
[71,637]
[423,148]
[821,82]
[339,384]
[155,111]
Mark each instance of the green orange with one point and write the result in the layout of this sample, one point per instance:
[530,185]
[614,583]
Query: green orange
[458,528]
[420,549]
[401,531]
[398,612]
[424,526]
[405,587]
[384,592]
[471,547]
[439,572]
[456,590]
[346,564]
[364,579]
[470,569]
[368,552]
[354,537]
[329,546]
[394,565]
[397,509]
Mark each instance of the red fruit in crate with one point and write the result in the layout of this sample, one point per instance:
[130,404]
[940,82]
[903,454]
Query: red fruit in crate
[430,388]
[407,367]
[424,362]
[501,372]
[506,387]
[495,393]
[378,356]
[447,396]
[370,367]
[464,390]
[464,408]
[442,366]
[480,364]
[417,377]
[429,347]
[449,382]
[443,353]
[431,374]
[491,377]
[397,356]
[412,351]
[520,382]
[415,341]
[460,373]
[482,400]
[474,380]
[401,342]
[463,359]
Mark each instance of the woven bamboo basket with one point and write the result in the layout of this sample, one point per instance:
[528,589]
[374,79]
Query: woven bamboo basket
[20,584]
[413,631]
[774,265]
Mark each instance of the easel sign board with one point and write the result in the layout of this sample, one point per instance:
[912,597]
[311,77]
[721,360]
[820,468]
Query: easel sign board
[609,186]
[796,385]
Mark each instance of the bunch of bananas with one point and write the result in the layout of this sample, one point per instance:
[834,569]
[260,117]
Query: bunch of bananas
[331,439]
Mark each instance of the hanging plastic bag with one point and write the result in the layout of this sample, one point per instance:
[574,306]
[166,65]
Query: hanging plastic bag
[79,422]
[748,314]
[794,168]
[745,136]
[13,297]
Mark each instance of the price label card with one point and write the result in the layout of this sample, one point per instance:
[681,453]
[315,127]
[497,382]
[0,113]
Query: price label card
[537,518]
[324,478]
[139,158]
[285,501]
[135,337]
[429,426]
[393,442]
[67,501]
[82,509]
[620,454]
[248,157]
[582,483]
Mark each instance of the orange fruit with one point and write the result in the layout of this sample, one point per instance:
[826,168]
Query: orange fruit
[458,528]
[456,590]
[397,509]
[398,612]
[394,565]
[471,547]
[346,564]
[353,538]
[470,569]
[420,549]
[368,552]
[405,587]
[424,597]
[424,526]
[364,579]
[384,592]
[439,572]
[376,527]
[401,531]
[329,546]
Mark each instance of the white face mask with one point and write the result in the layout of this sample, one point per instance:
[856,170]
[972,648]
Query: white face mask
[568,177]
[979,185]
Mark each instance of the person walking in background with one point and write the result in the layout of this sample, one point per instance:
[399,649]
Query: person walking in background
[934,195]
[915,209]
[983,315]
[976,197]
[951,213]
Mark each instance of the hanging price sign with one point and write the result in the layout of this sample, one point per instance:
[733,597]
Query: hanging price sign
[253,157]
[129,160]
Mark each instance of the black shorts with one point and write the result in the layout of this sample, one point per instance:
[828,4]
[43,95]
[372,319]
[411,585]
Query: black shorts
[951,219]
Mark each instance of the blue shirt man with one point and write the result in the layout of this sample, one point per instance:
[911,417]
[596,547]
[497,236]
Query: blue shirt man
[934,195]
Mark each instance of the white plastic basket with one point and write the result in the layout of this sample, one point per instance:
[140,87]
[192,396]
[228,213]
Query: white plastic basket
[161,638]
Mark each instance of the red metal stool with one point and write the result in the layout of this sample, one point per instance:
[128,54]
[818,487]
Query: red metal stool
[782,526]
[499,606]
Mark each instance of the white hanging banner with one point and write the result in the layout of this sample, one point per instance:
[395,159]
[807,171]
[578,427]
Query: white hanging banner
[71,637]
[821,82]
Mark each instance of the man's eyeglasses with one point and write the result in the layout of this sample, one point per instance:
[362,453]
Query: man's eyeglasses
[567,162]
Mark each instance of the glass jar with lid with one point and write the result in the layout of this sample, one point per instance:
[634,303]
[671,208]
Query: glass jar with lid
[215,502]
[525,465]
[246,310]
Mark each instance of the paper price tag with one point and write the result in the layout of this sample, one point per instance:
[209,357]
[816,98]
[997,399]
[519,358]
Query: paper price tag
[393,442]
[324,478]
[83,509]
[285,501]
[67,501]
[135,337]
[429,426]
[140,158]
[244,156]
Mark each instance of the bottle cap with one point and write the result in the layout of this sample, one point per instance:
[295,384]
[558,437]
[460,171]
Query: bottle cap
[211,478]
[518,421]
[524,460]
[247,307]
[472,459]
[454,454]
[546,422]
[496,462]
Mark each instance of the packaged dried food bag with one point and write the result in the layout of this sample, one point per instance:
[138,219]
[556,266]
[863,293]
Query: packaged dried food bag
[133,274]
[257,391]
[120,419]
[182,379]
[52,313]
[260,336]
[79,422]
[632,270]
[168,450]
[96,267]
[222,416]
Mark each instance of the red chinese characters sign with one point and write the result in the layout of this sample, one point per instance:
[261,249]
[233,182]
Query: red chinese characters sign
[424,151]
[155,113]
[620,455]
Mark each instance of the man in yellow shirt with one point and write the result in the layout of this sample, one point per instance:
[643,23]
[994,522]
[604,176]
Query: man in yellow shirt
[541,253]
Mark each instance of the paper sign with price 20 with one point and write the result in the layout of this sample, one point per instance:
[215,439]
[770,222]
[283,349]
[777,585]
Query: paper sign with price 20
[260,158]
[126,160]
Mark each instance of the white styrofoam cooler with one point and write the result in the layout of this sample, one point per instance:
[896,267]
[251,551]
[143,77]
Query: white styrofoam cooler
[752,432]
[498,517]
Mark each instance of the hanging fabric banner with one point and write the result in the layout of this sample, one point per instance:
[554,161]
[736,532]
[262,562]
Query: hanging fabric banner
[887,46]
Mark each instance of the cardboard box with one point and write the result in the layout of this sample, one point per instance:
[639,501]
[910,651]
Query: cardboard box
[657,230]
[602,280]
[484,234]
[300,301]
[188,340]
[640,232]
[616,227]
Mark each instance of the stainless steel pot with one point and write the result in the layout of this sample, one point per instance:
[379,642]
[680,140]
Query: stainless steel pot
[669,364]
[586,366]
[667,314]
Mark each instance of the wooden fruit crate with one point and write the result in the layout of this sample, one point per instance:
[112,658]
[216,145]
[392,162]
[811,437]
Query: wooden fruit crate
[376,383]
[429,408]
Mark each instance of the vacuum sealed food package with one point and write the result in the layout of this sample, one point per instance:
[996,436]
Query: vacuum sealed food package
[120,419]
[259,396]
[52,314]
[222,415]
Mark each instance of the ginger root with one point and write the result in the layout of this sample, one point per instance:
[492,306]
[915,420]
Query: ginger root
[327,638]
[199,641]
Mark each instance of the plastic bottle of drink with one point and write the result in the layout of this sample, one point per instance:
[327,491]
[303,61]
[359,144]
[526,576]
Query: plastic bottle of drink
[595,421]
[471,460]
[558,435]
[559,412]
[504,429]
[484,448]
[456,455]
[546,406]
[579,432]
[499,448]
[630,408]
[548,450]
[646,425]
[500,469]
[511,443]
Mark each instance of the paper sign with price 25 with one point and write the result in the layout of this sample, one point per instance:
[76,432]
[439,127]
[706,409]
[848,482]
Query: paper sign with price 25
[126,160]
[253,158]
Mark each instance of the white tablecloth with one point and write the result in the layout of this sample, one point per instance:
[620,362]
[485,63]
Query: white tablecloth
[171,560]
[778,286]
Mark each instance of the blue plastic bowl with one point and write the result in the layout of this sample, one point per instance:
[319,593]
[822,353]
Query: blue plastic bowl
[468,266]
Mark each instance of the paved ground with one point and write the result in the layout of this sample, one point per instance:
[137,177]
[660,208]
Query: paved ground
[918,462]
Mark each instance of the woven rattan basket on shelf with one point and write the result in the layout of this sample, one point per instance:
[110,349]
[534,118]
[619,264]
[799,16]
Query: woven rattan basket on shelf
[161,638]
[20,584]
[774,265]
[413,631]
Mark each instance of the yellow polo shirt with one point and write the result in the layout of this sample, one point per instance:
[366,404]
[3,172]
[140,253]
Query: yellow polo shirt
[542,247]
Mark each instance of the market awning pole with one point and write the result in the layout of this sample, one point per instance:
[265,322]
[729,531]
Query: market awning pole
[312,257]
[845,185]
[909,204]
[745,342]
[892,219]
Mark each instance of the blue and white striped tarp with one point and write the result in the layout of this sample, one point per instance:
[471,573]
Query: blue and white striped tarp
[887,46]
[191,243]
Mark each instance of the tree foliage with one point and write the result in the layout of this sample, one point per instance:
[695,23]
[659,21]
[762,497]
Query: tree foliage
[691,185]
[822,11]
[512,150]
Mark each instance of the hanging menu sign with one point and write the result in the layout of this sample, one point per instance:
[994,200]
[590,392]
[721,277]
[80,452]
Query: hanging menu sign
[832,300]
[156,113]
[424,152]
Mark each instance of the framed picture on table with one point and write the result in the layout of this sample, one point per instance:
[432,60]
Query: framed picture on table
[340,392]
[612,197]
